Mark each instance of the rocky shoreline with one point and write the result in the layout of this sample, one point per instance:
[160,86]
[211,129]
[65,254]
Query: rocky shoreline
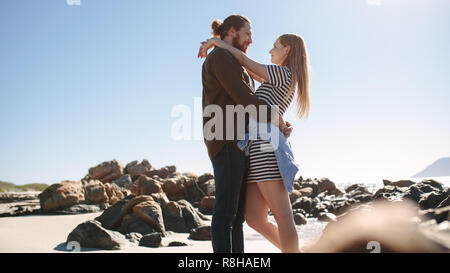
[141,204]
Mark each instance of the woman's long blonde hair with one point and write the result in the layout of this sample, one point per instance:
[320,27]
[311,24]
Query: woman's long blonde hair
[297,62]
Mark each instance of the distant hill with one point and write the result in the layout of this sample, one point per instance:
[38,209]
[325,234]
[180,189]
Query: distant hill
[7,186]
[440,167]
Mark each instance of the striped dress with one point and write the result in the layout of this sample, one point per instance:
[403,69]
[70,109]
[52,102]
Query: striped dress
[262,161]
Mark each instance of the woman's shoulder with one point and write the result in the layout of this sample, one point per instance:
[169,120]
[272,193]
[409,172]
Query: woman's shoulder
[278,75]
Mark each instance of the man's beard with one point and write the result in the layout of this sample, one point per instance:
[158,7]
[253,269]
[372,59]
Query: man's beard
[235,43]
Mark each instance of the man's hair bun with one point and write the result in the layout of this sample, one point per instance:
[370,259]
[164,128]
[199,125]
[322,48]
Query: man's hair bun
[216,27]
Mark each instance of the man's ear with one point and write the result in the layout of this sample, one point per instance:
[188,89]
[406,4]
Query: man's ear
[232,31]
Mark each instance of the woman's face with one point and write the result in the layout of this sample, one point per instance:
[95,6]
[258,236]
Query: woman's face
[278,53]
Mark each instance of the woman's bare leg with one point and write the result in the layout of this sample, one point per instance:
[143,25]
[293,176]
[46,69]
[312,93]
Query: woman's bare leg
[256,210]
[277,199]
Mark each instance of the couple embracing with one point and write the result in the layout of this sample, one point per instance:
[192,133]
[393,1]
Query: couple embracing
[252,174]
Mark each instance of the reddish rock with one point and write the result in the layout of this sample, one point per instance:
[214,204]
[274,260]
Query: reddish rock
[107,171]
[207,204]
[95,192]
[147,186]
[61,195]
[134,169]
[174,188]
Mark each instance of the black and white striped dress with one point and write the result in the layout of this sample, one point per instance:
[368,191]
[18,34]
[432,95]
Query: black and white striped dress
[262,161]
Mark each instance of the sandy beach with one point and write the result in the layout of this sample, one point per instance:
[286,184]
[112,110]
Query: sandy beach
[46,234]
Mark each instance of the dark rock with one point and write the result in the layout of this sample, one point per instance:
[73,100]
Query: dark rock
[10,197]
[111,215]
[209,187]
[135,170]
[359,188]
[133,237]
[445,203]
[151,240]
[327,217]
[318,209]
[123,181]
[304,203]
[433,183]
[92,235]
[21,208]
[177,243]
[413,193]
[400,183]
[173,218]
[432,200]
[325,184]
[299,219]
[425,187]
[440,214]
[363,197]
[192,192]
[294,195]
[201,233]
[207,204]
[132,223]
[191,217]
[294,211]
[150,211]
[79,209]
[204,177]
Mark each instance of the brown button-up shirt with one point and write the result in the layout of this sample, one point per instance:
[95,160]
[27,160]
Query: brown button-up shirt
[225,82]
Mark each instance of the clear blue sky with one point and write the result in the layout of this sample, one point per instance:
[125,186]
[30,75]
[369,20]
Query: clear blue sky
[84,84]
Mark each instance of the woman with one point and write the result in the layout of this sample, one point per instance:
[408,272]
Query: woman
[265,189]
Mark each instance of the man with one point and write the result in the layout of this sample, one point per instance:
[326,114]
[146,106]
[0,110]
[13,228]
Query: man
[225,82]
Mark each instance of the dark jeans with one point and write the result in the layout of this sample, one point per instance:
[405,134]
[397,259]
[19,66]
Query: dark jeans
[230,168]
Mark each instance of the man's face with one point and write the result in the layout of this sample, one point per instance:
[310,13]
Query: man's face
[242,38]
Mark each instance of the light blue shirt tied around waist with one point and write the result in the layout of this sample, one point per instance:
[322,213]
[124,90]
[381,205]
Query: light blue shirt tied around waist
[281,147]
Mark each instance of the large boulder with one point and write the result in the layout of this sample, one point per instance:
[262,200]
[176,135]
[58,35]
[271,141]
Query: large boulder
[147,185]
[62,195]
[135,170]
[162,172]
[192,191]
[192,218]
[95,192]
[433,199]
[173,218]
[107,171]
[207,204]
[201,233]
[151,213]
[151,240]
[400,183]
[174,187]
[92,235]
[123,181]
[325,184]
[112,215]
[208,187]
[134,224]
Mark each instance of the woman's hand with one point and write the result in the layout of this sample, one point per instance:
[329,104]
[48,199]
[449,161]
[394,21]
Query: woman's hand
[286,129]
[203,51]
